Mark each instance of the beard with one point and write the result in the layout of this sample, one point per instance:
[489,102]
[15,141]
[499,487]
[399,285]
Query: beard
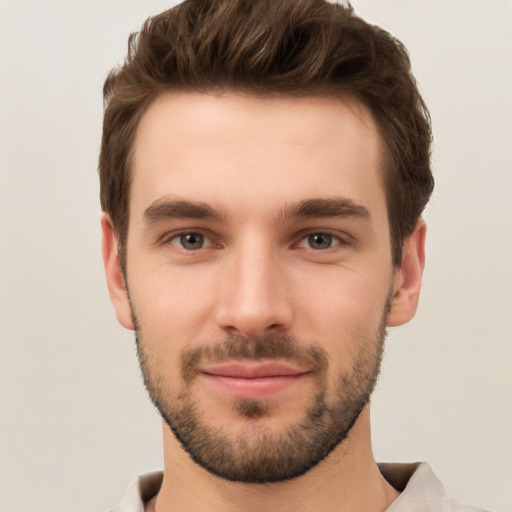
[258,454]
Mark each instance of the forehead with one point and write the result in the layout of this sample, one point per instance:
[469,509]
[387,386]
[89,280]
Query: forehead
[232,150]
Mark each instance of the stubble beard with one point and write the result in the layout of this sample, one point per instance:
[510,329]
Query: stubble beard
[258,454]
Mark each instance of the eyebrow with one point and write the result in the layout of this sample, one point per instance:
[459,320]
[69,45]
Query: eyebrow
[325,207]
[165,209]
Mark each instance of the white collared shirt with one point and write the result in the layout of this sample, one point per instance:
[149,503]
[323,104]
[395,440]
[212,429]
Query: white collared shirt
[421,491]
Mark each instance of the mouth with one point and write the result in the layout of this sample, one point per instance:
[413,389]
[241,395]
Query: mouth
[253,380]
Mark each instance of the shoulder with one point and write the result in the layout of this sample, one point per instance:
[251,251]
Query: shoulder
[139,492]
[421,490]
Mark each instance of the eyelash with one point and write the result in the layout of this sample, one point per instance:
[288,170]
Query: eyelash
[334,240]
[179,237]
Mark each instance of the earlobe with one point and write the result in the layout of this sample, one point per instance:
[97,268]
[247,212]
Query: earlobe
[407,278]
[114,274]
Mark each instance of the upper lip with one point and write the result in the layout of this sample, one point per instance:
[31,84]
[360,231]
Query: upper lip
[253,370]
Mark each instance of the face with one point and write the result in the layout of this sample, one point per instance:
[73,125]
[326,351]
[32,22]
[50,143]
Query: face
[259,275]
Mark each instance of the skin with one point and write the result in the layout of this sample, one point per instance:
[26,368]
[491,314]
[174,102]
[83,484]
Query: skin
[251,160]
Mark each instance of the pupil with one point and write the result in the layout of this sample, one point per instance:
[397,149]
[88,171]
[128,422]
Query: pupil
[320,241]
[192,241]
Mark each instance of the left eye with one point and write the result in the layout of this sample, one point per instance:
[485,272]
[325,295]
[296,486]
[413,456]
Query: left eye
[319,241]
[191,241]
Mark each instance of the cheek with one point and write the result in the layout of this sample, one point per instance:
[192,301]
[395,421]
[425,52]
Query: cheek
[173,304]
[345,311]
[342,296]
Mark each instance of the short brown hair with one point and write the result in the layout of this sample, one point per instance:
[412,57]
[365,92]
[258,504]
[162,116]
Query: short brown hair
[271,48]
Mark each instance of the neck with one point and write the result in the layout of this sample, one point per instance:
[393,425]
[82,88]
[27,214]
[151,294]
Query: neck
[348,479]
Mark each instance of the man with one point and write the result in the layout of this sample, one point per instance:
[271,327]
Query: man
[264,167]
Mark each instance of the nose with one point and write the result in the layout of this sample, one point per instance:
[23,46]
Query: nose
[252,297]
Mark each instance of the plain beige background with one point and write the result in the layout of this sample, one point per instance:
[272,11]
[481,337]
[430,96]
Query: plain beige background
[75,423]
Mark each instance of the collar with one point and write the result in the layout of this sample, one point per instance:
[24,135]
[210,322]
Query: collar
[420,489]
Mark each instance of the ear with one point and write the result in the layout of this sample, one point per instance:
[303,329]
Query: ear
[115,279]
[407,278]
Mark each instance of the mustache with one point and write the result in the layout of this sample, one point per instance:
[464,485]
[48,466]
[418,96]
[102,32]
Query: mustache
[241,348]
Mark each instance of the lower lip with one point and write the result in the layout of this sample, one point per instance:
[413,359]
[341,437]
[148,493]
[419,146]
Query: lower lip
[258,387]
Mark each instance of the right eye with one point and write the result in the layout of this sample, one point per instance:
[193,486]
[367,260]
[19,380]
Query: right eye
[190,241]
[320,241]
